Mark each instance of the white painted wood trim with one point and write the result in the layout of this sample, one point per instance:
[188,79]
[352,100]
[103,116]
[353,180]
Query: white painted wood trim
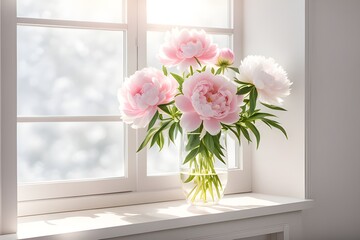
[71,188]
[71,24]
[115,118]
[211,30]
[8,187]
[250,233]
[146,218]
[308,29]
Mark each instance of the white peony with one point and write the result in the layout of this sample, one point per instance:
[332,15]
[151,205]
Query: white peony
[269,78]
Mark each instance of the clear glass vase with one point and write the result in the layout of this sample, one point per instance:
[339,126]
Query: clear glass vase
[204,176]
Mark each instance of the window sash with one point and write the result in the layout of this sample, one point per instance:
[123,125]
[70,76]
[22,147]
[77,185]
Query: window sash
[71,188]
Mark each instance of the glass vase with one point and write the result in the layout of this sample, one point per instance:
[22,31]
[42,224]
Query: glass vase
[204,176]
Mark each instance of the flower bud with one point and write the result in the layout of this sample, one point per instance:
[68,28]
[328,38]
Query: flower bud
[225,57]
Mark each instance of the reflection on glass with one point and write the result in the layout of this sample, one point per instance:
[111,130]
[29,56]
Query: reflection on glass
[64,151]
[81,10]
[68,71]
[190,12]
[167,160]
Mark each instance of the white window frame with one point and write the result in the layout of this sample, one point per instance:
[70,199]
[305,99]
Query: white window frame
[71,188]
[140,188]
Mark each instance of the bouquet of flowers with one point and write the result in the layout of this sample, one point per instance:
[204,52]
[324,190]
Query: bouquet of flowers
[200,102]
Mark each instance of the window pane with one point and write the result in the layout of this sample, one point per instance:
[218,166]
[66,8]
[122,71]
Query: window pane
[63,151]
[190,13]
[69,71]
[81,10]
[165,161]
[232,151]
[156,39]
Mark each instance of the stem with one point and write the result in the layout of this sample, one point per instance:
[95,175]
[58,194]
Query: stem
[203,176]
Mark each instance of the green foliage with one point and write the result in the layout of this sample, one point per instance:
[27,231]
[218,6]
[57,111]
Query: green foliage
[179,79]
[164,70]
[234,69]
[203,149]
[198,62]
[273,107]
[166,120]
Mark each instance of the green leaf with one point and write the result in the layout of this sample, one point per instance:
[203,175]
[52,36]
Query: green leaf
[245,132]
[160,141]
[165,109]
[243,83]
[274,107]
[197,60]
[178,127]
[212,143]
[190,178]
[208,142]
[153,120]
[235,133]
[212,70]
[193,141]
[218,71]
[172,130]
[276,125]
[259,115]
[147,139]
[253,98]
[158,133]
[192,154]
[203,69]
[191,70]
[255,131]
[178,78]
[244,90]
[234,69]
[164,70]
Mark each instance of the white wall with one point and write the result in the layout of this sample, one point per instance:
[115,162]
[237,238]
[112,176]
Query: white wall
[334,137]
[276,28]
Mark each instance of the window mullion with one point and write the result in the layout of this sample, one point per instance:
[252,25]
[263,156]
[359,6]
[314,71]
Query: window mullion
[132,65]
[142,62]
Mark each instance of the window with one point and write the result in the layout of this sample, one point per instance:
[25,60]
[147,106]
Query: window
[71,58]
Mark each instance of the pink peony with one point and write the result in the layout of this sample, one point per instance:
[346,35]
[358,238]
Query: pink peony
[225,57]
[142,92]
[210,99]
[182,46]
[269,78]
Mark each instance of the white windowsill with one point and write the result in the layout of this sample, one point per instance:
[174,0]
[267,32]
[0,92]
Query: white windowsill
[136,219]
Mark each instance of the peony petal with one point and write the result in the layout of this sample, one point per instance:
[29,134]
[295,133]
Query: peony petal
[184,104]
[144,121]
[231,118]
[212,126]
[190,121]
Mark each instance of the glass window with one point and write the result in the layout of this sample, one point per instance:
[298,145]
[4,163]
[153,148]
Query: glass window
[83,71]
[79,10]
[69,151]
[199,13]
